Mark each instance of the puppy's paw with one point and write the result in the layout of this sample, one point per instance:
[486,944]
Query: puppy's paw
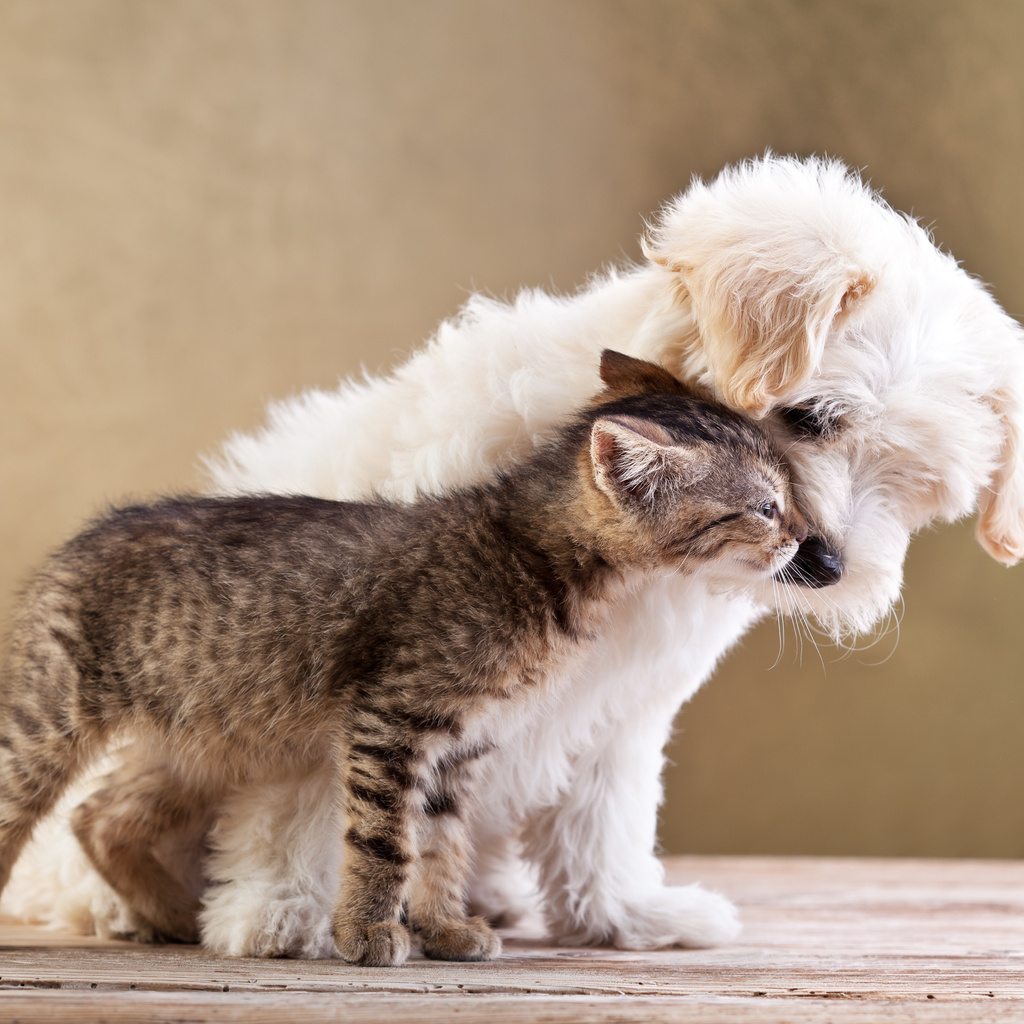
[267,923]
[504,892]
[470,939]
[383,944]
[677,916]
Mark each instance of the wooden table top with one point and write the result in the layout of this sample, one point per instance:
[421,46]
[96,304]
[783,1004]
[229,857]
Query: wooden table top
[824,940]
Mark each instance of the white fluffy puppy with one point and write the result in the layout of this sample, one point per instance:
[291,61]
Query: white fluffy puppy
[896,384]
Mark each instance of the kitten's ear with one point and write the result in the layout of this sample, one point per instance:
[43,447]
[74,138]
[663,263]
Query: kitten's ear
[635,459]
[625,375]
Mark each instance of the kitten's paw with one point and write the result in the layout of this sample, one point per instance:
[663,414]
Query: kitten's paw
[677,916]
[174,916]
[471,939]
[384,944]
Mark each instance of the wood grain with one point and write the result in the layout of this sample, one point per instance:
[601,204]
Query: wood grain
[824,940]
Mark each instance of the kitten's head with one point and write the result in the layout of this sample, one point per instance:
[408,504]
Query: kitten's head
[681,481]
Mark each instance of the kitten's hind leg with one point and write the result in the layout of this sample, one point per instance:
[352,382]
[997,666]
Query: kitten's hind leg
[437,902]
[36,765]
[45,737]
[121,825]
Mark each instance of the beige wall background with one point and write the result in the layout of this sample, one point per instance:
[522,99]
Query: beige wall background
[205,204]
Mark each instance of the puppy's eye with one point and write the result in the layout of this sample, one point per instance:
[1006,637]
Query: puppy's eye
[769,510]
[810,421]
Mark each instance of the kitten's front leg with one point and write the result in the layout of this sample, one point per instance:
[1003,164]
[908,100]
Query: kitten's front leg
[437,901]
[379,783]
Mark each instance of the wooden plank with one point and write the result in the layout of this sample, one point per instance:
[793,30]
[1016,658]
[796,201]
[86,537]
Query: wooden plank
[824,940]
[122,1007]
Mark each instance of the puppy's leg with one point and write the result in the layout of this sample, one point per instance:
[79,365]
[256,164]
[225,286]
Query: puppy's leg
[121,825]
[594,844]
[502,886]
[601,880]
[274,868]
[437,901]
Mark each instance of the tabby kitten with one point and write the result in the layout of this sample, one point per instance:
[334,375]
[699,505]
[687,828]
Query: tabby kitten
[241,638]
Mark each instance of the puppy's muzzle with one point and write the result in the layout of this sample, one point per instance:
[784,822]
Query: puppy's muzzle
[816,564]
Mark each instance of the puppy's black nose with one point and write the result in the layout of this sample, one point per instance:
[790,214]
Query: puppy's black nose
[816,564]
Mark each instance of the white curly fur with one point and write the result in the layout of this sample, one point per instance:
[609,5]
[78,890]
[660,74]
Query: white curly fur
[782,282]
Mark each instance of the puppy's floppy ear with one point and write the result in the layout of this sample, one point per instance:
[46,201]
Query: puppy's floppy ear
[635,459]
[1000,528]
[768,266]
[764,331]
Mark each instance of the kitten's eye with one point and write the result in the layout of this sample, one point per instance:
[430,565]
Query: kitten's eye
[810,421]
[769,510]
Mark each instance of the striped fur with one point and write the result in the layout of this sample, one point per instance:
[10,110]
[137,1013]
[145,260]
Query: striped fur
[248,638]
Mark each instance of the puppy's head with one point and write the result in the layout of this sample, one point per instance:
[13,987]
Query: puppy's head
[892,378]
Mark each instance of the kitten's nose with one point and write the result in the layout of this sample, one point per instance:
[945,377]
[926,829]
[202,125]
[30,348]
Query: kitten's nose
[816,564]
